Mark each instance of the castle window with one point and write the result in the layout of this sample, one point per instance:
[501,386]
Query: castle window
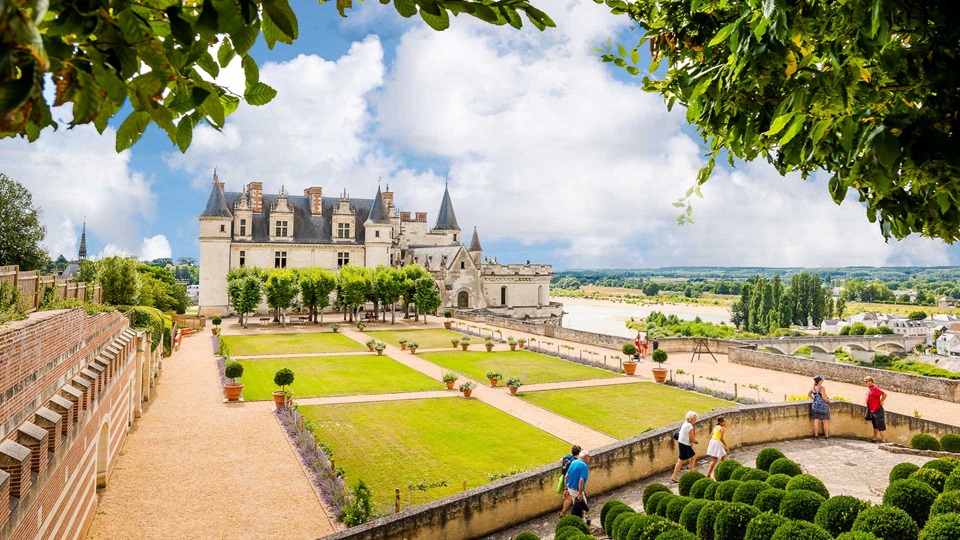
[463,265]
[243,227]
[223,228]
[454,237]
[503,296]
[343,230]
[376,234]
[280,259]
[281,229]
[343,257]
[243,258]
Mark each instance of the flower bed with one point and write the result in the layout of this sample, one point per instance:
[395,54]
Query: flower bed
[314,459]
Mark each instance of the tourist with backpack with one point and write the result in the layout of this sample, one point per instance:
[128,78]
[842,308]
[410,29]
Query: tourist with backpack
[576,484]
[564,467]
[819,408]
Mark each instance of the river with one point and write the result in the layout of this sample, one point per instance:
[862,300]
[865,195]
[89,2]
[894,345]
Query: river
[605,317]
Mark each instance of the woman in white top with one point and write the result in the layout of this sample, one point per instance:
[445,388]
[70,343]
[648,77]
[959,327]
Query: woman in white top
[686,437]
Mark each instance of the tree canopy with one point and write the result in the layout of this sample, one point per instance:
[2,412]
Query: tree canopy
[21,231]
[119,280]
[863,89]
[157,55]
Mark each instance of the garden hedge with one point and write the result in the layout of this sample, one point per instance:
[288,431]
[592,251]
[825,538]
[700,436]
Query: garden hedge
[621,525]
[688,518]
[700,486]
[567,533]
[947,502]
[711,492]
[754,474]
[732,520]
[657,527]
[739,472]
[650,508]
[912,496]
[726,490]
[857,535]
[766,457]
[901,471]
[768,500]
[638,525]
[749,490]
[950,443]
[573,521]
[945,465]
[724,469]
[707,518]
[675,507]
[612,514]
[942,527]
[837,514]
[800,530]
[687,481]
[922,441]
[887,523]
[953,481]
[778,481]
[606,508]
[785,466]
[801,504]
[677,534]
[762,526]
[809,483]
[526,536]
[663,504]
[930,477]
[651,489]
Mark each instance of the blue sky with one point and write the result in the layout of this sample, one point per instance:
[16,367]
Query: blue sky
[553,155]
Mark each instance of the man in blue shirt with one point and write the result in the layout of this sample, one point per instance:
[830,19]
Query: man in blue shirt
[576,481]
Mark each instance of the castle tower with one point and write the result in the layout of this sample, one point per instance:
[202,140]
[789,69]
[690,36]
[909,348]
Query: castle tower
[377,233]
[82,256]
[447,218]
[216,222]
[475,250]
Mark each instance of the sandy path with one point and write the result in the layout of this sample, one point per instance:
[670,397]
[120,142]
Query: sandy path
[194,468]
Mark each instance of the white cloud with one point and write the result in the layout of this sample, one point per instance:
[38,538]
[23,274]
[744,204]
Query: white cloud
[155,247]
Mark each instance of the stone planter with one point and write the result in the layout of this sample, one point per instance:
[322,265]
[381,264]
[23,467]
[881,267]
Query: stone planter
[629,368]
[233,391]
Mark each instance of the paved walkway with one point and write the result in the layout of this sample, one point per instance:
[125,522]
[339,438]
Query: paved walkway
[194,468]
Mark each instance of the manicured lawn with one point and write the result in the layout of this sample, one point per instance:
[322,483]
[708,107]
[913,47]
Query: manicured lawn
[320,376]
[427,339]
[627,410]
[530,367]
[391,444]
[326,342]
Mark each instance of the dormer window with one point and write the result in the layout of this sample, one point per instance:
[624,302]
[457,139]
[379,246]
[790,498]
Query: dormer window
[243,227]
[343,230]
[282,229]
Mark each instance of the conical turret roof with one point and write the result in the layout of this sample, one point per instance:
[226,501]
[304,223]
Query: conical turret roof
[216,203]
[378,213]
[475,241]
[446,218]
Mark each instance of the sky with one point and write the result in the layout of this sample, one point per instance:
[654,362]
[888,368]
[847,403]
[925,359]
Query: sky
[553,155]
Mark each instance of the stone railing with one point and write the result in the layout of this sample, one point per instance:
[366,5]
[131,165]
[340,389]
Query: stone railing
[487,509]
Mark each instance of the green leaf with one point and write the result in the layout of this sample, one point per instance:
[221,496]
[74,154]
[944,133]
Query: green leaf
[875,18]
[135,29]
[259,94]
[430,6]
[244,38]
[439,23]
[281,15]
[132,129]
[87,99]
[724,33]
[792,131]
[110,82]
[226,53]
[944,201]
[632,70]
[343,6]
[208,23]
[213,110]
[250,70]
[184,134]
[208,64]
[179,27]
[622,51]
[679,204]
[634,56]
[779,123]
[887,148]
[406,8]
[230,103]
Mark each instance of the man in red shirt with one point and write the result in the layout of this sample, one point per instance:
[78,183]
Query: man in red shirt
[875,399]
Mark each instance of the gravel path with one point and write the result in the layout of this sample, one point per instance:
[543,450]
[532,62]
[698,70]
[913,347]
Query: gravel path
[194,468]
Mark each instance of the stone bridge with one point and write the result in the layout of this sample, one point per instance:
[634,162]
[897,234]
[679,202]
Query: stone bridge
[790,345]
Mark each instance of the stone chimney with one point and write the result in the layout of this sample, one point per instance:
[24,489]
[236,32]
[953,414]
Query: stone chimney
[255,189]
[404,216]
[222,186]
[421,216]
[316,200]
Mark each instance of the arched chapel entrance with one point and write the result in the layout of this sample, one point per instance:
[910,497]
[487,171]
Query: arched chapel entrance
[463,299]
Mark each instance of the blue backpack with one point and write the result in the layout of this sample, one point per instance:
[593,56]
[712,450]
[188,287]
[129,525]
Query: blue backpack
[565,462]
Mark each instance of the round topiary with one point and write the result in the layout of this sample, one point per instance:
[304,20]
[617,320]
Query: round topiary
[887,523]
[768,500]
[651,489]
[724,469]
[785,466]
[767,456]
[650,508]
[567,533]
[837,514]
[930,477]
[947,502]
[526,536]
[901,471]
[662,505]
[656,528]
[711,492]
[749,490]
[732,520]
[953,481]
[801,504]
[688,518]
[706,519]
[922,441]
[621,525]
[675,507]
[573,521]
[778,481]
[942,527]
[950,443]
[606,508]
[687,481]
[944,465]
[612,514]
[740,471]
[700,486]
[809,483]
[754,474]
[677,534]
[800,530]
[763,525]
[857,535]
[638,526]
[912,496]
[726,490]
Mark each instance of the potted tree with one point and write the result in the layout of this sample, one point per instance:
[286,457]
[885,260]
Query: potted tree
[467,388]
[514,384]
[465,342]
[513,343]
[413,345]
[449,378]
[494,377]
[659,372]
[403,344]
[488,344]
[361,325]
[371,343]
[233,371]
[522,342]
[335,327]
[455,342]
[216,320]
[449,316]
[379,347]
[282,378]
[630,365]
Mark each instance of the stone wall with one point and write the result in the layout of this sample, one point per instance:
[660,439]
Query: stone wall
[934,387]
[513,500]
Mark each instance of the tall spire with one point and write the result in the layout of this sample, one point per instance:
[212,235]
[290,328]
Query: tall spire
[446,218]
[475,241]
[82,256]
[378,213]
[216,203]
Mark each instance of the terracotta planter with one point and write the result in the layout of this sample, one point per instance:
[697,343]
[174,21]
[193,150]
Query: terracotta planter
[403,346]
[360,329]
[335,330]
[379,353]
[447,324]
[493,382]
[213,331]
[455,345]
[233,391]
[489,349]
[413,350]
[523,344]
[450,384]
[369,347]
[467,393]
[630,368]
[279,400]
[660,374]
[513,347]
[464,346]
[513,390]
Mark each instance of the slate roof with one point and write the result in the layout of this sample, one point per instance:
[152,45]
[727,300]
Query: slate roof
[446,218]
[378,214]
[217,204]
[71,270]
[475,241]
[431,257]
[307,228]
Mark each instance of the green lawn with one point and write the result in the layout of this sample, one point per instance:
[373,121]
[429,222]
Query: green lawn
[530,367]
[427,339]
[627,410]
[326,342]
[391,444]
[320,376]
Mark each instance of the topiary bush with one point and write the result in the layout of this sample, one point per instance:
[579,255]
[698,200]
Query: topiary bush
[700,486]
[724,469]
[767,456]
[953,481]
[748,491]
[762,526]
[837,514]
[947,502]
[651,489]
[732,520]
[768,500]
[944,465]
[711,492]
[688,518]
[677,534]
[656,528]
[687,481]
[707,518]
[567,533]
[726,490]
[573,521]
[801,504]
[638,525]
[785,466]
[662,505]
[901,471]
[740,471]
[809,483]
[800,530]
[650,508]
[887,523]
[606,508]
[912,496]
[856,535]
[612,514]
[675,507]
[754,474]
[778,481]
[621,525]
[950,443]
[942,527]
[930,477]
[922,441]
[526,536]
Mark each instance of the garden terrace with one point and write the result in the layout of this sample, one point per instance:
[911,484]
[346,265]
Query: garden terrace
[274,344]
[531,367]
[426,339]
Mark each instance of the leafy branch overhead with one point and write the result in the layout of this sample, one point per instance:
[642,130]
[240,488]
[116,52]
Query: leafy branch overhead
[163,56]
[864,89]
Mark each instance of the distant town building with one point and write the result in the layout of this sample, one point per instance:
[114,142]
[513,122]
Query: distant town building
[906,327]
[832,326]
[73,268]
[946,301]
